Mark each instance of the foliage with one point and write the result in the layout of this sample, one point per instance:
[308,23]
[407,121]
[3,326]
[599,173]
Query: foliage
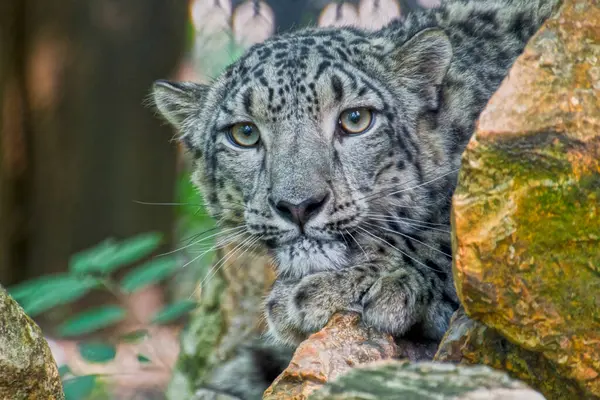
[91,321]
[97,352]
[92,269]
[173,311]
[79,387]
[95,269]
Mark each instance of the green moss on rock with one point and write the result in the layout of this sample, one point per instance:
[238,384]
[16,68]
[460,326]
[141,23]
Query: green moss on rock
[423,381]
[526,212]
[471,342]
[27,368]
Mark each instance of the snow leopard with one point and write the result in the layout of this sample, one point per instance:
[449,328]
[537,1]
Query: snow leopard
[337,150]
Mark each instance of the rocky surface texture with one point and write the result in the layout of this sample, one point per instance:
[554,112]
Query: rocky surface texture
[471,342]
[229,314]
[425,381]
[340,346]
[27,369]
[526,214]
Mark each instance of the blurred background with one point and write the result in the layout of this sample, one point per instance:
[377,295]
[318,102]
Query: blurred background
[83,158]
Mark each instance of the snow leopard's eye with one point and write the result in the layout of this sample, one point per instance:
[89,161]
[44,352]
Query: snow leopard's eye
[244,134]
[355,120]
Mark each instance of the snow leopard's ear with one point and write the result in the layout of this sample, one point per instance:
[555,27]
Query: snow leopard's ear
[176,101]
[422,63]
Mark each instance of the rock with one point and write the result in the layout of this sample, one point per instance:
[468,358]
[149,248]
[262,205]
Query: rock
[470,342]
[27,369]
[526,213]
[230,313]
[342,345]
[425,381]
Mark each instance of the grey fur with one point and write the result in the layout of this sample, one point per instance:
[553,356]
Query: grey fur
[380,245]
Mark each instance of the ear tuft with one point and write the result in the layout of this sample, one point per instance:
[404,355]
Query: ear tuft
[424,61]
[176,101]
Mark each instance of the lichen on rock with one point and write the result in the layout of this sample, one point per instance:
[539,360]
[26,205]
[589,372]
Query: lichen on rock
[393,380]
[526,213]
[343,344]
[27,368]
[470,342]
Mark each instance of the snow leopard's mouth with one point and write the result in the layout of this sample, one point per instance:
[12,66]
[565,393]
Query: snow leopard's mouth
[303,242]
[305,255]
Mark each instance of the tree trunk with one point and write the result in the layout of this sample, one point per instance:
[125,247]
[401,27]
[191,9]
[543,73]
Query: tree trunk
[14,157]
[78,145]
[95,147]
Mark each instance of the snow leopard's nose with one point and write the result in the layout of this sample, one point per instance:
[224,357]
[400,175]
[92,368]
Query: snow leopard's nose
[302,212]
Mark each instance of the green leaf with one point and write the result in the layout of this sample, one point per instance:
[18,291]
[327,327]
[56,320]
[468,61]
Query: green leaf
[64,370]
[135,336]
[57,291]
[97,352]
[132,250]
[33,286]
[110,256]
[89,260]
[173,311]
[79,388]
[91,321]
[148,273]
[143,359]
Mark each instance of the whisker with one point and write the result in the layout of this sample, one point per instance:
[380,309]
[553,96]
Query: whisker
[412,187]
[402,219]
[195,236]
[359,246]
[223,241]
[345,241]
[219,245]
[393,187]
[415,224]
[213,248]
[410,238]
[396,217]
[199,205]
[424,183]
[416,207]
[148,203]
[203,239]
[215,269]
[397,249]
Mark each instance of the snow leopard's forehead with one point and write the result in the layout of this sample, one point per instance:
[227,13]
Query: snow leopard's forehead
[283,74]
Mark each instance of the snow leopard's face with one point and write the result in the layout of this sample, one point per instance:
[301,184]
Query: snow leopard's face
[314,144]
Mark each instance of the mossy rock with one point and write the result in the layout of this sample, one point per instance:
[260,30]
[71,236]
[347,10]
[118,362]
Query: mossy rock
[27,368]
[526,212]
[470,342]
[395,380]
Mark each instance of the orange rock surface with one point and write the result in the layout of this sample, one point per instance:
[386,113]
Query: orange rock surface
[526,213]
[338,347]
[470,342]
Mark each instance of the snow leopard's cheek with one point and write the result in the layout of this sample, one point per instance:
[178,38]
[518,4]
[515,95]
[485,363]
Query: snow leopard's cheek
[362,157]
[236,176]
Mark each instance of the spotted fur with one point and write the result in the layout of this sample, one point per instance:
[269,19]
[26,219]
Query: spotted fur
[381,244]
